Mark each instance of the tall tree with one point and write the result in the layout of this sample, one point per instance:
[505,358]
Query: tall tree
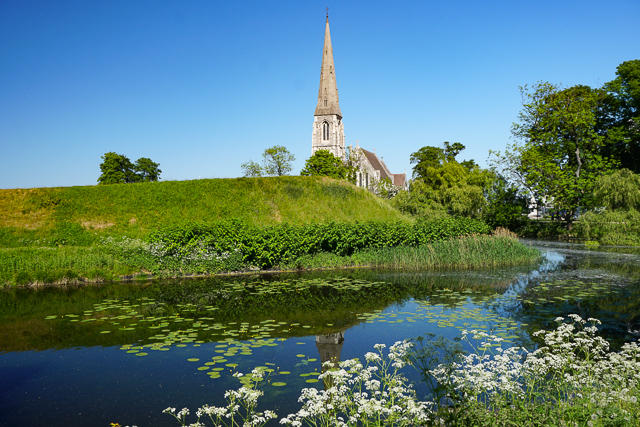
[277,160]
[251,169]
[116,169]
[147,170]
[324,163]
[621,115]
[441,184]
[558,148]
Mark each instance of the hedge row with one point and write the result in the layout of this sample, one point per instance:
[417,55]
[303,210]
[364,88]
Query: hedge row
[269,246]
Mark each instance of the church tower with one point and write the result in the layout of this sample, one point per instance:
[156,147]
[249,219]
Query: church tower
[328,129]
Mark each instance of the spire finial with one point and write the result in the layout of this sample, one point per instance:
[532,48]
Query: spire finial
[327,13]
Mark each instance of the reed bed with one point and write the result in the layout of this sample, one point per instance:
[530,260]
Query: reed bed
[21,266]
[481,251]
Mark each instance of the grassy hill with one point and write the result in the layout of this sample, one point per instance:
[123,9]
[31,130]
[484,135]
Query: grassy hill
[135,210]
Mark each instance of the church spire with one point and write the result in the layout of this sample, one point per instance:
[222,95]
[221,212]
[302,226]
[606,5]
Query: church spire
[328,91]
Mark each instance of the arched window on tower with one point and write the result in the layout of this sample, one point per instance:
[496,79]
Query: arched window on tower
[325,131]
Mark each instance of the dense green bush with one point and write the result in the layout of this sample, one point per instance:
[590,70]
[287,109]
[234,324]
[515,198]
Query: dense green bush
[269,246]
[611,227]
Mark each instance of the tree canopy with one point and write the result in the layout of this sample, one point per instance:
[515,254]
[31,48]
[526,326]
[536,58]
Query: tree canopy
[276,161]
[324,163]
[558,153]
[442,184]
[117,168]
[620,115]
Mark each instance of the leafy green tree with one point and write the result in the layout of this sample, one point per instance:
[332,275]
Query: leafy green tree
[425,158]
[251,169]
[443,184]
[116,169]
[620,115]
[147,170]
[558,148]
[324,163]
[507,206]
[433,157]
[277,161]
[618,191]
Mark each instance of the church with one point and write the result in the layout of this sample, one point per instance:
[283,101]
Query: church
[328,128]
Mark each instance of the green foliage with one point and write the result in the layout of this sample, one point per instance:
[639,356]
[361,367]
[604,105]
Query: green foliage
[69,233]
[324,163]
[21,266]
[251,169]
[558,153]
[620,190]
[277,160]
[135,210]
[621,227]
[147,170]
[507,206]
[118,169]
[441,184]
[449,188]
[432,157]
[270,246]
[621,115]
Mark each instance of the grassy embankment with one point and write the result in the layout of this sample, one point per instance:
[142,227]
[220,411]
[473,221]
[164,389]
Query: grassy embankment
[102,232]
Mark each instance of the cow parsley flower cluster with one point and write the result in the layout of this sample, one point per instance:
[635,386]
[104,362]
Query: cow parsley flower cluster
[371,394]
[573,364]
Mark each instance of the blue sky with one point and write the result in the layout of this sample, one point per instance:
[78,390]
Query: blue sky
[203,86]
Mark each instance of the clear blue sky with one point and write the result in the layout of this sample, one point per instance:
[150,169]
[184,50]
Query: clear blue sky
[203,86]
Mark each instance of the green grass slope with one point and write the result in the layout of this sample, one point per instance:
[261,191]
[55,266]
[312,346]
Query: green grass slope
[135,210]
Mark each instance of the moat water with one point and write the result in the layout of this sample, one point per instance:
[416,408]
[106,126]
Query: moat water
[122,353]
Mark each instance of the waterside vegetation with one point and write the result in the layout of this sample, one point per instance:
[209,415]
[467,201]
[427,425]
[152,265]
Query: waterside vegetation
[571,379]
[77,234]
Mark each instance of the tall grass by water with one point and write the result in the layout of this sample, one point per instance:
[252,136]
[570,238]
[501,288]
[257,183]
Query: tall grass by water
[22,266]
[480,251]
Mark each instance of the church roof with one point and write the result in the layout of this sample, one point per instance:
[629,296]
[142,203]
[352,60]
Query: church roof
[377,164]
[399,179]
[328,91]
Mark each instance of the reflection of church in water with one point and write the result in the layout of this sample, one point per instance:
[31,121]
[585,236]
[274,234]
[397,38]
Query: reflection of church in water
[329,346]
[328,128]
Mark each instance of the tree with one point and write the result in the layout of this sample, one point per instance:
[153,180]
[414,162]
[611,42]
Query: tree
[441,184]
[433,157]
[146,170]
[618,191]
[507,205]
[558,148]
[324,163]
[277,160]
[621,115]
[117,169]
[251,169]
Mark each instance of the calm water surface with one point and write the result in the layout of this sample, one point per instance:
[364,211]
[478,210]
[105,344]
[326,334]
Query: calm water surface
[96,355]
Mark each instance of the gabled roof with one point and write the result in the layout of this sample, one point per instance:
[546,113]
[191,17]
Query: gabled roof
[377,164]
[399,179]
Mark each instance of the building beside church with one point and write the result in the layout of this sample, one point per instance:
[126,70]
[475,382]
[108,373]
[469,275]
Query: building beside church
[328,128]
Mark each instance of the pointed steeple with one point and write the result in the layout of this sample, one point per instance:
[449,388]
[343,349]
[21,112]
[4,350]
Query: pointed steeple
[328,91]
